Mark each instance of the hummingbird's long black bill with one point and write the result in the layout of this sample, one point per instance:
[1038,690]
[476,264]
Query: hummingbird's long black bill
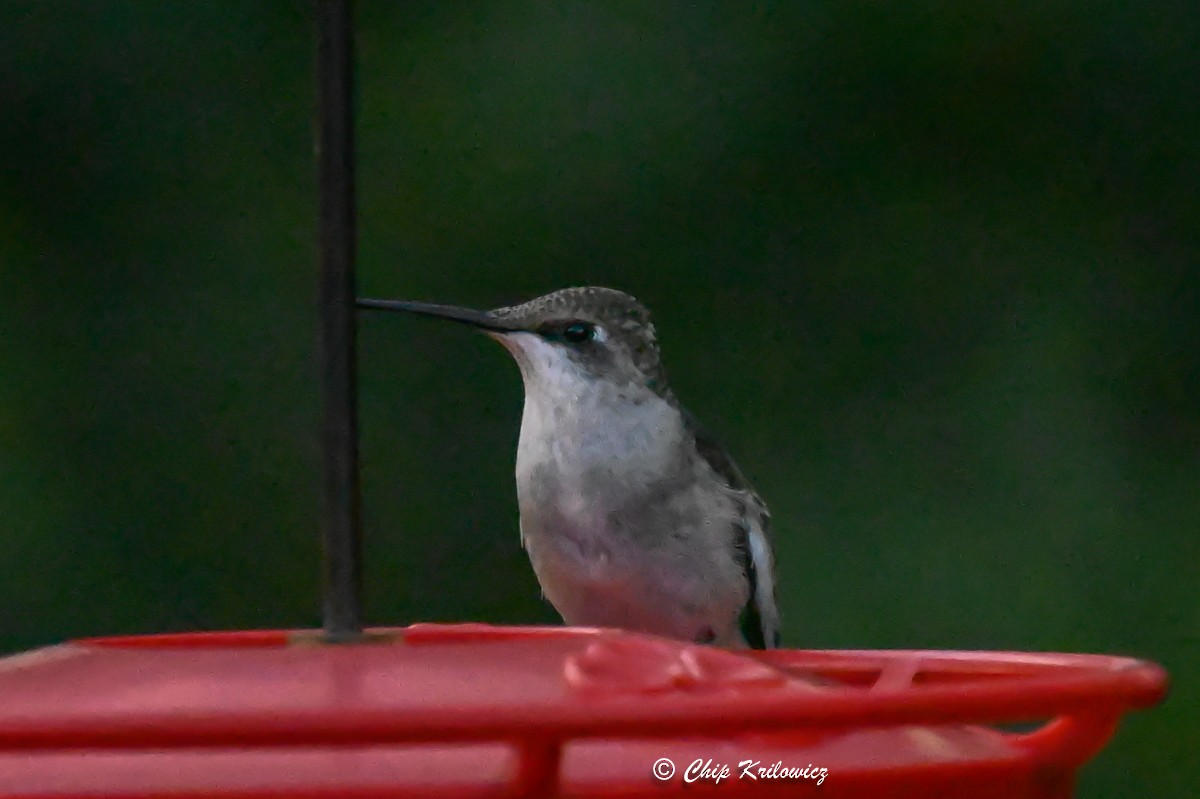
[480,319]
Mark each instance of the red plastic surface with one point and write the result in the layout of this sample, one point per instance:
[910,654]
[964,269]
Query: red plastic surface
[472,710]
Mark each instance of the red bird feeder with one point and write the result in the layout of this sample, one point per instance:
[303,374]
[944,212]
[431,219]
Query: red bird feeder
[477,711]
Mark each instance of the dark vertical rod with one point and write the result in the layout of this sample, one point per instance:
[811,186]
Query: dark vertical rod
[340,511]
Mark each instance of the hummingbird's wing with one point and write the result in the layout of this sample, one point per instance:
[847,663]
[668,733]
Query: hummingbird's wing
[760,617]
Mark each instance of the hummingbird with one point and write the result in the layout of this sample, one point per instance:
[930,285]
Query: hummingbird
[632,514]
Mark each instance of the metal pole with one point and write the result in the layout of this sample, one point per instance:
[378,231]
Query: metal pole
[340,509]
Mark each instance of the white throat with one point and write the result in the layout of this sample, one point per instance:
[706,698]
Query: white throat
[578,423]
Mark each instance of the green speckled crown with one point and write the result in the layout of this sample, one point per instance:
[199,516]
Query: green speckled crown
[585,303]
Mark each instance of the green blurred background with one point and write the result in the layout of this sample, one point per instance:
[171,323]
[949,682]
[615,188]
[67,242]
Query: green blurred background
[930,270]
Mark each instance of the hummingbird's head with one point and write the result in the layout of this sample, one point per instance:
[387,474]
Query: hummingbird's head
[574,335]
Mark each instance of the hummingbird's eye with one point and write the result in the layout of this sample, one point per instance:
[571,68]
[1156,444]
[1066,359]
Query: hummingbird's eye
[579,332]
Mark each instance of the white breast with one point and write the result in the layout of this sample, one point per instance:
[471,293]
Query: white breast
[581,427]
[622,530]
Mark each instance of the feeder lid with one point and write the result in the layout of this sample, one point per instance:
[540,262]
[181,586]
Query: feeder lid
[464,708]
